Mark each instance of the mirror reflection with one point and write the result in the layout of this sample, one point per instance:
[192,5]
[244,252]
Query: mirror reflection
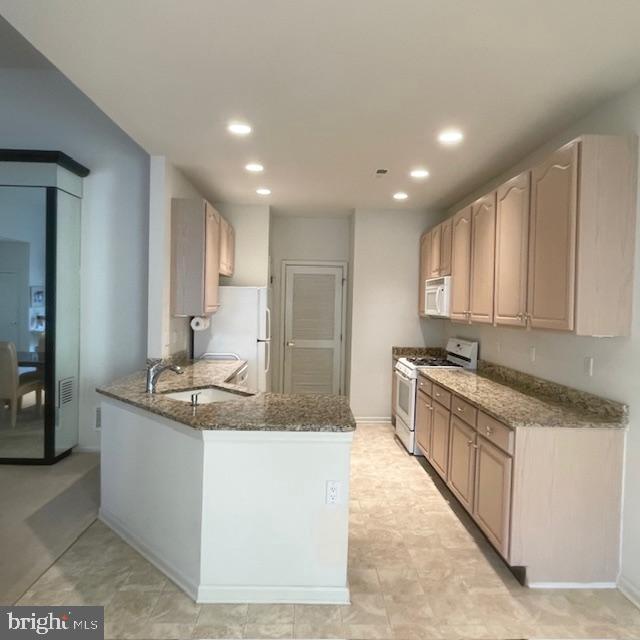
[23,321]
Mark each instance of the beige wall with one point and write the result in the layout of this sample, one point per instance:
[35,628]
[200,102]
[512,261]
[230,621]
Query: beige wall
[561,357]
[385,303]
[303,238]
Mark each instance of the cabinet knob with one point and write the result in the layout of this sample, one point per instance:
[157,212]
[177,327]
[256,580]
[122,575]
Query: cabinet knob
[460,410]
[488,430]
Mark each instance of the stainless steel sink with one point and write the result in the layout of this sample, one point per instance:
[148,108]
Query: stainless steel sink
[205,396]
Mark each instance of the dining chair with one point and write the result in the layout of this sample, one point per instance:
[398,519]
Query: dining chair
[12,387]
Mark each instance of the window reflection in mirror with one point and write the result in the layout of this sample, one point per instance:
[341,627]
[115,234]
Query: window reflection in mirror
[23,322]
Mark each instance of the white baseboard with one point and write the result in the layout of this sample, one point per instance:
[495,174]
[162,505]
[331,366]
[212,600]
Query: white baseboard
[572,585]
[232,593]
[374,420]
[187,585]
[270,595]
[629,590]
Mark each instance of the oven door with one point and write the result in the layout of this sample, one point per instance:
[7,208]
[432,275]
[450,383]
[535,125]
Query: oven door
[405,398]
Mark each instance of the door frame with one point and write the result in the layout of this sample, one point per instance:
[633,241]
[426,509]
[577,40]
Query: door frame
[282,303]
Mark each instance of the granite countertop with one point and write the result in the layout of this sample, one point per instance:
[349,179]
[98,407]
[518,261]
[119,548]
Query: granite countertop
[250,412]
[531,405]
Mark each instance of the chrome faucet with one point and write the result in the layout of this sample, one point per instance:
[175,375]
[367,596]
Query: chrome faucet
[155,368]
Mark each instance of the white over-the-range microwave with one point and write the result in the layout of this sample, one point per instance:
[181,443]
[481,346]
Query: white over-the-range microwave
[437,297]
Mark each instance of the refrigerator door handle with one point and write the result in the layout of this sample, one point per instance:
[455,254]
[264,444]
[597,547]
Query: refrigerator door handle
[268,323]
[267,365]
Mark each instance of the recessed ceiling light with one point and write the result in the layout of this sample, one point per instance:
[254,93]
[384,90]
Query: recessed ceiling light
[254,167]
[401,195]
[263,191]
[239,128]
[419,173]
[450,136]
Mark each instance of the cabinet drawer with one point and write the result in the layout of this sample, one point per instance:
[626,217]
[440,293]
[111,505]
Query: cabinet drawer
[441,395]
[464,410]
[425,385]
[495,432]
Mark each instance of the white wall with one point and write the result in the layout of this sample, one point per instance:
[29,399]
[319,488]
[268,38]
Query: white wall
[561,357]
[43,110]
[322,238]
[167,334]
[385,303]
[251,225]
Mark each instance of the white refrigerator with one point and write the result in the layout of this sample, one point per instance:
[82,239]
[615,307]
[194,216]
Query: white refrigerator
[241,326]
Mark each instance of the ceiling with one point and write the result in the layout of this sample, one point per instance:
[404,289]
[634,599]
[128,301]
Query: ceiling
[336,89]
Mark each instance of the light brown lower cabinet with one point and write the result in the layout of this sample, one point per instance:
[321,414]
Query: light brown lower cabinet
[424,421]
[532,490]
[492,502]
[462,461]
[440,439]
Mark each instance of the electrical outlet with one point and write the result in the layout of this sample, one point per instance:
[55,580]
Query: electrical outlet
[532,353]
[588,366]
[333,492]
[98,418]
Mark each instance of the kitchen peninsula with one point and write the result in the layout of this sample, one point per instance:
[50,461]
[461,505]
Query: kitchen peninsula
[241,500]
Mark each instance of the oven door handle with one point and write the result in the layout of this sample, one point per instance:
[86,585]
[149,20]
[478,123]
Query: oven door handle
[402,376]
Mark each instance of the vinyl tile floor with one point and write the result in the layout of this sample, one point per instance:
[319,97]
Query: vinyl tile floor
[416,572]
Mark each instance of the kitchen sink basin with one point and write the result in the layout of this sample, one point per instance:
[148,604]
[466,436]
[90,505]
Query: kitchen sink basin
[205,396]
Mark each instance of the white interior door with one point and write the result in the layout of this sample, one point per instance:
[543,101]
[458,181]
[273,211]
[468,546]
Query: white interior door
[9,307]
[313,329]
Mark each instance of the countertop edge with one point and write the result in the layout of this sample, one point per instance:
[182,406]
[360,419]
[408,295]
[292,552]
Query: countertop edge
[517,424]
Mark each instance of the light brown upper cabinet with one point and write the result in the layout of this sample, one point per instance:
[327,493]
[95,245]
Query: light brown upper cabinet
[445,247]
[552,258]
[582,237]
[434,252]
[227,248]
[425,246]
[195,235]
[512,245]
[483,245]
[460,265]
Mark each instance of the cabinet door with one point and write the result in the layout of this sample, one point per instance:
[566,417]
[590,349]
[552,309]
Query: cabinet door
[226,248]
[434,252]
[512,245]
[445,247]
[211,258]
[462,461]
[424,412]
[425,247]
[231,249]
[492,504]
[440,440]
[483,245]
[460,264]
[552,248]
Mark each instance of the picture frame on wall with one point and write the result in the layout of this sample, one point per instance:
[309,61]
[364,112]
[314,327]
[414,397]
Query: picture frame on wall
[37,296]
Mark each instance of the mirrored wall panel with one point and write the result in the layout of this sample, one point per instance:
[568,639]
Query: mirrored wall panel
[40,232]
[23,321]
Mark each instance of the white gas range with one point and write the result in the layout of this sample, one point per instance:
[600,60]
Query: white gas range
[460,353]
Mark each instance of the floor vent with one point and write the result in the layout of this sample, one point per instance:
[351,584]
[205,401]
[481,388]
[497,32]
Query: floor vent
[66,393]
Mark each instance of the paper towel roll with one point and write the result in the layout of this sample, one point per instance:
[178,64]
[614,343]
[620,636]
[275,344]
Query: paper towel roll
[200,323]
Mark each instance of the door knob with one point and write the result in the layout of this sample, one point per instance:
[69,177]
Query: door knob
[291,343]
